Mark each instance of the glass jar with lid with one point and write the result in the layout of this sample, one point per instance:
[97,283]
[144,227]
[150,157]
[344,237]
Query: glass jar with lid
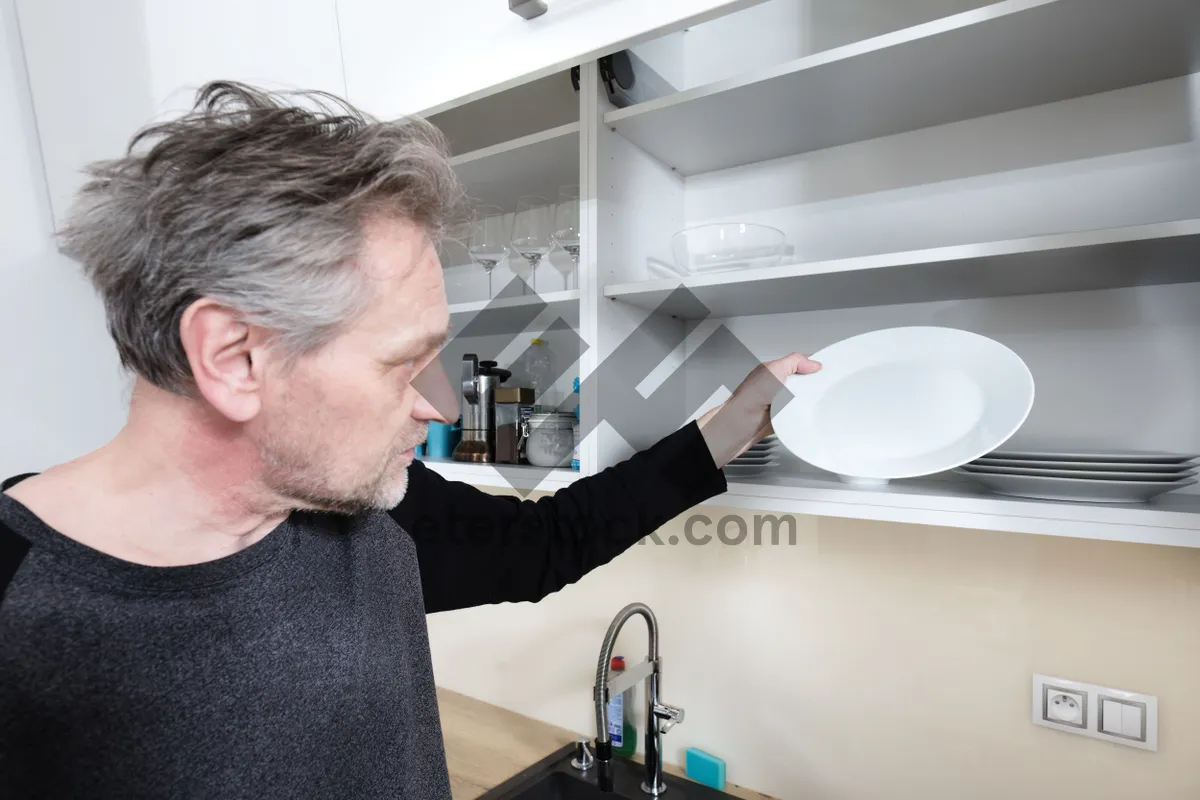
[550,440]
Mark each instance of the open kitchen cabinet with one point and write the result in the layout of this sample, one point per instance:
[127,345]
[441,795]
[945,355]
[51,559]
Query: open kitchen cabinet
[1027,169]
[519,143]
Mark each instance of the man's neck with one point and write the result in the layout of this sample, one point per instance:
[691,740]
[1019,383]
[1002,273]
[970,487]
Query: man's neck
[176,486]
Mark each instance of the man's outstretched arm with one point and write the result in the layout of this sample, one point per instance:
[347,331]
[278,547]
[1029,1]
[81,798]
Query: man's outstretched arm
[476,548]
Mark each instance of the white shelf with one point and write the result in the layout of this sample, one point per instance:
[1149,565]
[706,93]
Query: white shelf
[536,165]
[1160,253]
[502,476]
[510,314]
[1172,519]
[1008,55]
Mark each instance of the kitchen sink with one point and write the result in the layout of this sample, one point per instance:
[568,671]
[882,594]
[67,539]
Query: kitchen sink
[553,778]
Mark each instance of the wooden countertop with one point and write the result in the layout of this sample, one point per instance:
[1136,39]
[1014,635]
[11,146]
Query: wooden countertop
[486,745]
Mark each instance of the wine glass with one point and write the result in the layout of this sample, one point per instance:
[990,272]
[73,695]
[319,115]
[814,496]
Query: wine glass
[531,233]
[488,242]
[566,229]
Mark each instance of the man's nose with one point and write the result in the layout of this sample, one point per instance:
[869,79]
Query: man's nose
[436,400]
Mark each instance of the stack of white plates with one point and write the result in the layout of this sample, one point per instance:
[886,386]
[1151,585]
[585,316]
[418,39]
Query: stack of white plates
[755,460]
[1119,476]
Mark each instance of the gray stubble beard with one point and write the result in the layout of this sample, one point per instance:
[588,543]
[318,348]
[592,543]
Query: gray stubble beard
[297,476]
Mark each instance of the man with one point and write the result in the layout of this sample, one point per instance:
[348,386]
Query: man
[181,615]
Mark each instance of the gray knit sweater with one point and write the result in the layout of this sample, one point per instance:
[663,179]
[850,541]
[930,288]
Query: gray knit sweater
[300,666]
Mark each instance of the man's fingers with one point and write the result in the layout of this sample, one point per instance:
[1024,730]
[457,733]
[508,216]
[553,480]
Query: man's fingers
[808,366]
[794,364]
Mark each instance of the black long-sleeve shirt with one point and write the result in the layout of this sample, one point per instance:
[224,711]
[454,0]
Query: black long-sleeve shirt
[299,666]
[475,548]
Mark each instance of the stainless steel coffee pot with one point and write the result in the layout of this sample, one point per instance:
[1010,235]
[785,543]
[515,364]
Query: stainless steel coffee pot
[480,380]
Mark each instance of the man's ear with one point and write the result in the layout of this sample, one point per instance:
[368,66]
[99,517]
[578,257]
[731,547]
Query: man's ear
[227,357]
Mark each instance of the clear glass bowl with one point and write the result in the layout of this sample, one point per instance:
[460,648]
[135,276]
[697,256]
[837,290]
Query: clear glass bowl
[727,246]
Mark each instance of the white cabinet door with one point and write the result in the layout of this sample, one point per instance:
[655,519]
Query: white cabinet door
[290,44]
[90,81]
[99,71]
[25,224]
[62,353]
[412,56]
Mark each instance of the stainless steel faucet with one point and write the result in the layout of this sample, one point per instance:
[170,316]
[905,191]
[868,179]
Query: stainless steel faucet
[660,717]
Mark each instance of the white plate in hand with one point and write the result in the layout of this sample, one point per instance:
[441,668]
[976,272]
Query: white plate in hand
[903,402]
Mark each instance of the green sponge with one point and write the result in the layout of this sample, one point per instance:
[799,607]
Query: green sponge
[705,769]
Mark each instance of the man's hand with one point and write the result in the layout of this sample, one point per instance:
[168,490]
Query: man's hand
[745,418]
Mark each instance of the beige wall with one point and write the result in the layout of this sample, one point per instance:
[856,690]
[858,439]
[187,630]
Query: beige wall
[872,660]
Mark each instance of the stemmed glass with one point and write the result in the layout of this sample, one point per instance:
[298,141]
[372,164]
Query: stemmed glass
[566,229]
[488,243]
[531,233]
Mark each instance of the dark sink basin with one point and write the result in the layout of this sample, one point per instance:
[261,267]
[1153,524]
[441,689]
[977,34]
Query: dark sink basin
[553,778]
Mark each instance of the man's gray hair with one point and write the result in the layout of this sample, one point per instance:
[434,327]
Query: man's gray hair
[258,202]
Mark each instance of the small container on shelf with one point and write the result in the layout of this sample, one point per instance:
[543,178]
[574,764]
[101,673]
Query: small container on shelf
[443,438]
[550,440]
[507,434]
[510,401]
[727,246]
[524,413]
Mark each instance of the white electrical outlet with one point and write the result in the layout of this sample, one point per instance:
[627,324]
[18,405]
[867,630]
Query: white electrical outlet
[1113,715]
[1068,708]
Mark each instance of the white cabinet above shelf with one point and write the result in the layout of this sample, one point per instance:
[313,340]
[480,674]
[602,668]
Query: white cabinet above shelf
[1008,55]
[408,57]
[1159,253]
[1173,519]
[537,164]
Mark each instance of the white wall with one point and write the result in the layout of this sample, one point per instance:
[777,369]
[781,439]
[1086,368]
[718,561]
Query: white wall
[61,390]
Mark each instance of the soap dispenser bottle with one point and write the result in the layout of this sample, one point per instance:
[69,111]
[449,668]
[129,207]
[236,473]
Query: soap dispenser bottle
[620,715]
